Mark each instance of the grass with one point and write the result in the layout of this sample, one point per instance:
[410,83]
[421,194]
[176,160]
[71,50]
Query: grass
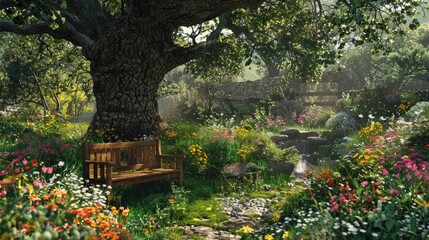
[204,213]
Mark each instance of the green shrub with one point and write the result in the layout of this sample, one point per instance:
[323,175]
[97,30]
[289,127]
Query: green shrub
[341,119]
[418,112]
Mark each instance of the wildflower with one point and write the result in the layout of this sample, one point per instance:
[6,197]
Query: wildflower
[34,197]
[285,235]
[125,212]
[34,162]
[246,229]
[422,203]
[268,237]
[394,192]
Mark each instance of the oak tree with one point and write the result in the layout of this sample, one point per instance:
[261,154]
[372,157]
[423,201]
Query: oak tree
[132,44]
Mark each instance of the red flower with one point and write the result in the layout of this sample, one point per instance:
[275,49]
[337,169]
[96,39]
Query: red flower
[34,162]
[426,146]
[27,168]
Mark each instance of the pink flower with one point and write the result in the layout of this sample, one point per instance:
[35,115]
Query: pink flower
[364,183]
[48,170]
[394,192]
[375,184]
[3,193]
[25,162]
[384,172]
[38,183]
[17,170]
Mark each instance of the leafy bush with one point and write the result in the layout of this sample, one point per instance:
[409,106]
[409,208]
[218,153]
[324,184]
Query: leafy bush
[341,119]
[418,112]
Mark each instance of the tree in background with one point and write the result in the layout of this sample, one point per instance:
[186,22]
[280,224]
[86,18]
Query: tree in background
[43,72]
[392,81]
[132,44]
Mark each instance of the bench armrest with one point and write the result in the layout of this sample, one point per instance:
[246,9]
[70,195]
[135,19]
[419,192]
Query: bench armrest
[174,162]
[171,161]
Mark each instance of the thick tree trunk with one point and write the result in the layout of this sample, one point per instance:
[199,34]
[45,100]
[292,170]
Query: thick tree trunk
[127,66]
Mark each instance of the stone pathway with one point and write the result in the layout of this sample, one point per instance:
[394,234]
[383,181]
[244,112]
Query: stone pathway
[246,212]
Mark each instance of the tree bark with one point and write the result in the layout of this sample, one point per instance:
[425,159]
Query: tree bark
[127,66]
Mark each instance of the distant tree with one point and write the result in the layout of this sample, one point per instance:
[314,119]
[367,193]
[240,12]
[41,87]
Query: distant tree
[407,60]
[44,72]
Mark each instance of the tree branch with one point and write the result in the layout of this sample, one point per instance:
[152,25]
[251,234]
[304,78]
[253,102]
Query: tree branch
[66,31]
[181,55]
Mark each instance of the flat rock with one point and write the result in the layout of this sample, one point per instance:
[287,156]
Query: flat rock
[279,138]
[240,169]
[340,133]
[291,132]
[315,142]
[284,167]
[304,135]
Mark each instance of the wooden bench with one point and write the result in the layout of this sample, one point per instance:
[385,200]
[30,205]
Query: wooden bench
[125,163]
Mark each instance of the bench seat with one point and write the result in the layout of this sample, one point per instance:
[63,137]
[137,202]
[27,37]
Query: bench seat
[126,163]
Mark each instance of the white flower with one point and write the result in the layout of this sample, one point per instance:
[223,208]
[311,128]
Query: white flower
[374,234]
[360,115]
[370,116]
[60,163]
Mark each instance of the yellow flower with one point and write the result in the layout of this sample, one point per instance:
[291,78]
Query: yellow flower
[422,203]
[246,229]
[268,237]
[285,235]
[115,212]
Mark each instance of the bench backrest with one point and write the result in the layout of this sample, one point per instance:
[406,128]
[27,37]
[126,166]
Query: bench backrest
[125,155]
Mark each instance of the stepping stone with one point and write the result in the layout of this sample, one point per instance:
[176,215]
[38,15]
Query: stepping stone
[315,142]
[291,132]
[240,169]
[324,150]
[279,139]
[306,134]
[340,132]
[284,167]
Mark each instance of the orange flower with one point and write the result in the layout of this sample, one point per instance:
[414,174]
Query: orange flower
[46,197]
[53,206]
[125,212]
[34,197]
